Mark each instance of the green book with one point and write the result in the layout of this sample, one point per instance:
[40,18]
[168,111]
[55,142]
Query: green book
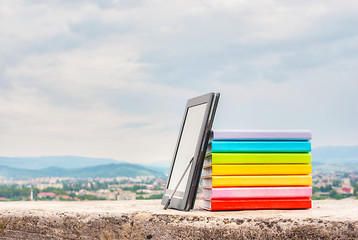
[256,158]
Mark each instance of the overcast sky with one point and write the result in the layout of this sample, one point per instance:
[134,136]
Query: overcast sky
[111,78]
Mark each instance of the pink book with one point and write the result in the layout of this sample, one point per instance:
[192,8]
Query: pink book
[256,192]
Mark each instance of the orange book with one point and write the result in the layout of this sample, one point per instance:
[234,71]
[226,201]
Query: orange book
[250,204]
[257,169]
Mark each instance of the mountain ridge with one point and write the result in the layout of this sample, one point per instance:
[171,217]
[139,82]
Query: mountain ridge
[111,170]
[54,161]
[334,153]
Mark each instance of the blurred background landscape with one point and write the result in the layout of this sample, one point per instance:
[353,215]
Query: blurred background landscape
[70,178]
[92,93]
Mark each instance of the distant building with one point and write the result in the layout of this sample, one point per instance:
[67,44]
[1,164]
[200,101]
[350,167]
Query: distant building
[85,192]
[144,191]
[322,194]
[47,185]
[126,195]
[347,190]
[107,194]
[46,194]
[346,181]
[64,197]
[113,186]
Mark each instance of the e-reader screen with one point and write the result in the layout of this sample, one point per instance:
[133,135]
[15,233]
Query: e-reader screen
[187,145]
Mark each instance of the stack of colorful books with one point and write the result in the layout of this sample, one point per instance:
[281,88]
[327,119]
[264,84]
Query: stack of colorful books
[257,170]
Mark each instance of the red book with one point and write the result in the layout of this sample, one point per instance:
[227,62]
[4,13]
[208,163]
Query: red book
[247,204]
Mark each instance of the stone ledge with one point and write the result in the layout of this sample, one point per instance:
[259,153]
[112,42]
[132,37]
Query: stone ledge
[328,219]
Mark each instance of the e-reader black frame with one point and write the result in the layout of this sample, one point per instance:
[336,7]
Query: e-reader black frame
[187,202]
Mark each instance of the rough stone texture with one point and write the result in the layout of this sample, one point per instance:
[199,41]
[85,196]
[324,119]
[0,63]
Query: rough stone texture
[328,219]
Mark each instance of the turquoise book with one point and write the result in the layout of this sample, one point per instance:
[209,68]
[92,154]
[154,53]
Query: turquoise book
[259,146]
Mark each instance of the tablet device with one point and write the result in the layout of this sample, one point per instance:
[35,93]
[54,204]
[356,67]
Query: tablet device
[187,163]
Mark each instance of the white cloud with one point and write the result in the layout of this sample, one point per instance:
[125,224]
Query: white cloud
[322,100]
[110,79]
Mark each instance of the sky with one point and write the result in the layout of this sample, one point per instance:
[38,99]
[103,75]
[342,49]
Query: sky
[111,78]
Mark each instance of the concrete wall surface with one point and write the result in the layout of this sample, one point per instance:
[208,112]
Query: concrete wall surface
[146,219]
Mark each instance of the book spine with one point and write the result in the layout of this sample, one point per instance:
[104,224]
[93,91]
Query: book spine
[257,170]
[258,192]
[262,135]
[217,205]
[238,181]
[257,158]
[260,146]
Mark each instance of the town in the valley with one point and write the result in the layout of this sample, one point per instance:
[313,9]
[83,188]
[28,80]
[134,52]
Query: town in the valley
[326,185]
[74,189]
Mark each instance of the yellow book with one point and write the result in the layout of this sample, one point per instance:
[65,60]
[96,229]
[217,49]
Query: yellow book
[251,181]
[258,169]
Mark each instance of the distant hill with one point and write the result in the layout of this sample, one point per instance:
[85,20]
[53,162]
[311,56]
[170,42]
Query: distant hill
[332,158]
[163,166]
[53,161]
[335,153]
[101,171]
